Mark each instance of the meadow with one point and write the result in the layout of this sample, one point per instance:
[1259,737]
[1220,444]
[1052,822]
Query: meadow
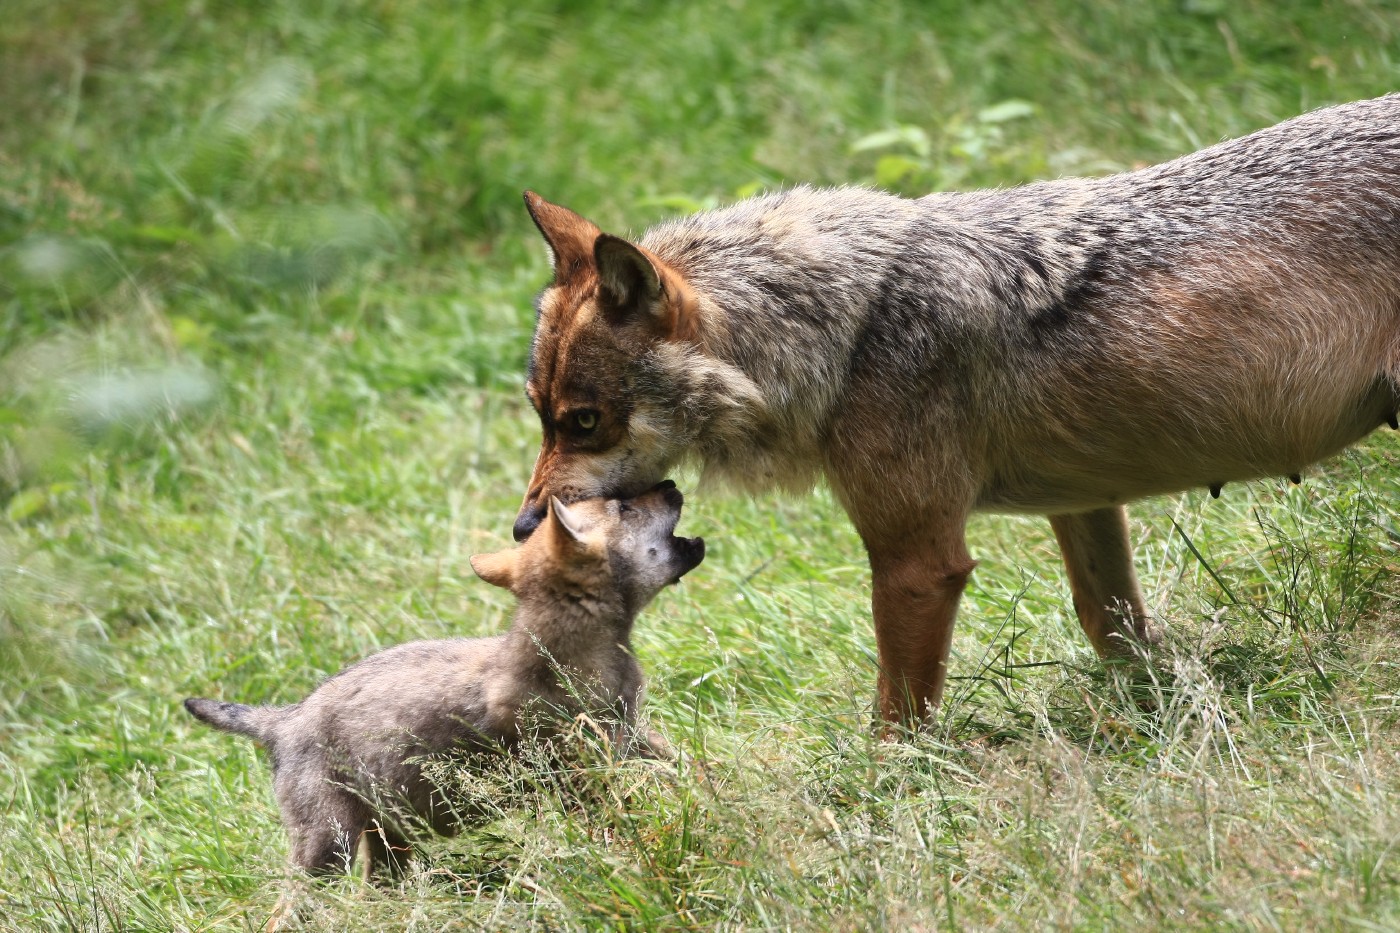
[265,299]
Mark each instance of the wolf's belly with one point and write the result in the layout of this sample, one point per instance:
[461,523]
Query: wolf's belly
[1048,473]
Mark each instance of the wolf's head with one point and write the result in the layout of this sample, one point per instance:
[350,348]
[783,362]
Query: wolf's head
[611,366]
[602,549]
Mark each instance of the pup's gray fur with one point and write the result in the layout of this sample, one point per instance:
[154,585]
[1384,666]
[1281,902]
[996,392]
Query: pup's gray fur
[347,760]
[1059,348]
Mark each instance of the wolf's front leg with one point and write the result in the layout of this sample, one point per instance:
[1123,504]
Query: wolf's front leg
[917,583]
[1099,559]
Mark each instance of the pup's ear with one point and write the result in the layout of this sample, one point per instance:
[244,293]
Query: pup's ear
[639,287]
[572,525]
[570,236]
[496,569]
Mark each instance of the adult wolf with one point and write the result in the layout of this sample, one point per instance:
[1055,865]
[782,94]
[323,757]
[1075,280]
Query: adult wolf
[1059,348]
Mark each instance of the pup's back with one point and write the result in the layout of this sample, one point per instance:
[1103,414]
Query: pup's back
[435,694]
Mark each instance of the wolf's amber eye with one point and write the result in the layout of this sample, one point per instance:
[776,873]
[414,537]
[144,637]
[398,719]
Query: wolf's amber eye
[585,420]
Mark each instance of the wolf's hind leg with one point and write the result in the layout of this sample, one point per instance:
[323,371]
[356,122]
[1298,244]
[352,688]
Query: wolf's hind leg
[1099,559]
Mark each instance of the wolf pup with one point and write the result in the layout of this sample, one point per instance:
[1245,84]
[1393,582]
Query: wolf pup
[358,738]
[1059,348]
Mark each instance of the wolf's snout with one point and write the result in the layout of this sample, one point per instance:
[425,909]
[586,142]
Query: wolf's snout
[531,514]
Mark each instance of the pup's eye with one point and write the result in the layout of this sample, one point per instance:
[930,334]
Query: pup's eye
[586,420]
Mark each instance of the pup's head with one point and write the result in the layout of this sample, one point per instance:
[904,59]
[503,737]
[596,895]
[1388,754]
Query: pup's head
[603,548]
[613,331]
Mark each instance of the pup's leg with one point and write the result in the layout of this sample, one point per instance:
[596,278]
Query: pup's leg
[310,846]
[323,819]
[326,847]
[917,583]
[324,836]
[383,848]
[284,912]
[652,744]
[324,822]
[1099,558]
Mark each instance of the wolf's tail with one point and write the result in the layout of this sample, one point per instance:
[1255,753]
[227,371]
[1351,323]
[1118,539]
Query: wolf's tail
[252,721]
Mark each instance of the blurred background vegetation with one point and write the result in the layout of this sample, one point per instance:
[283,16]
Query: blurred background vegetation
[265,284]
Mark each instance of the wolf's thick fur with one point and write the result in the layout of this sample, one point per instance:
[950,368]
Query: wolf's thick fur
[347,760]
[1059,348]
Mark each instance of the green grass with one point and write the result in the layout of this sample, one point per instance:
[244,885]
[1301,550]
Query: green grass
[265,284]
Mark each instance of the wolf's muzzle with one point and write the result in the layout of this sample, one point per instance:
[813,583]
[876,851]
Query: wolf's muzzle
[531,514]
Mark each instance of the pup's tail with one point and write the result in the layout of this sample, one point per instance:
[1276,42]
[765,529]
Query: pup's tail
[252,721]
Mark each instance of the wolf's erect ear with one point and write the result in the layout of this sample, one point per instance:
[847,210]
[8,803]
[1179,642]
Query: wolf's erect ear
[628,275]
[496,569]
[638,287]
[570,236]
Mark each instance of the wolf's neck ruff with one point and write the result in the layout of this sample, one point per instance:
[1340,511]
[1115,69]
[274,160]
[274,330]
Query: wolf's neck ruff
[800,294]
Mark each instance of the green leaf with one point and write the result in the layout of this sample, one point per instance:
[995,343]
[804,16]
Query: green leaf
[893,170]
[27,503]
[162,235]
[748,190]
[680,203]
[1005,111]
[904,135]
[189,333]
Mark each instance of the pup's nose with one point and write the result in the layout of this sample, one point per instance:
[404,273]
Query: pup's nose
[527,521]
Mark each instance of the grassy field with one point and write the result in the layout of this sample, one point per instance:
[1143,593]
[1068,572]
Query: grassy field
[265,285]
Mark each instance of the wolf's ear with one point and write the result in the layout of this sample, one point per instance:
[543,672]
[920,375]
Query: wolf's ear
[496,569]
[569,523]
[570,236]
[637,287]
[629,277]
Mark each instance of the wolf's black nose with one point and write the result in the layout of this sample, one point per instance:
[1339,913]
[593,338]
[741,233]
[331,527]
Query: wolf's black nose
[526,522]
[666,484]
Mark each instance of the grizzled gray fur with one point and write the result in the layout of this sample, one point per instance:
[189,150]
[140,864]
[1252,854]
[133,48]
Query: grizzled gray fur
[346,760]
